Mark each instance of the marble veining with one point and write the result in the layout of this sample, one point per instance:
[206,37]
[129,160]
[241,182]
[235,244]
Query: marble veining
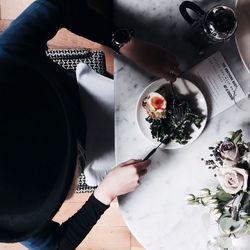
[156,212]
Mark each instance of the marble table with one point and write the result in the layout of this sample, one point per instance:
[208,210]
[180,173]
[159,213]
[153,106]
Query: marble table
[156,212]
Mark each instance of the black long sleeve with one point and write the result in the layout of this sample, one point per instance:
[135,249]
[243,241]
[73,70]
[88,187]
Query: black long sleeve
[71,233]
[78,226]
[43,18]
[22,47]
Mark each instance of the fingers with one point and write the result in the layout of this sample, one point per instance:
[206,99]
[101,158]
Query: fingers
[142,172]
[169,76]
[132,162]
[129,162]
[174,70]
[138,167]
[142,167]
[142,164]
[171,73]
[171,68]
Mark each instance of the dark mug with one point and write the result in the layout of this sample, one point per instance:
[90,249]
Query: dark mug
[214,26]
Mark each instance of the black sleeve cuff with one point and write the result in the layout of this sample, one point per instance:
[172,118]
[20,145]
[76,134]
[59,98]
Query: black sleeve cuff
[101,206]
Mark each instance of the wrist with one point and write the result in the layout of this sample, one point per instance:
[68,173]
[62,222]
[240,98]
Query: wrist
[120,37]
[133,49]
[128,48]
[103,196]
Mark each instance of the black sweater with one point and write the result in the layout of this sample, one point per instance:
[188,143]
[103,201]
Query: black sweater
[71,233]
[24,43]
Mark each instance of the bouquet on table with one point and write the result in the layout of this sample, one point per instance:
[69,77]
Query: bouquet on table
[229,203]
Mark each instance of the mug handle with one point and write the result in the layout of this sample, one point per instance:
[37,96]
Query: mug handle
[192,6]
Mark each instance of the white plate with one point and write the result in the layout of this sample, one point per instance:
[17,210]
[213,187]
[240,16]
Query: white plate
[242,35]
[183,87]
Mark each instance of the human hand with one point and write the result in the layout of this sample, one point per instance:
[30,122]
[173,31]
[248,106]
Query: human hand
[121,180]
[152,58]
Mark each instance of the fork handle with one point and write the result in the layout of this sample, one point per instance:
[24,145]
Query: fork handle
[150,154]
[172,88]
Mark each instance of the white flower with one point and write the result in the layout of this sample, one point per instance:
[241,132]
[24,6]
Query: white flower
[189,197]
[229,163]
[205,192]
[232,179]
[212,202]
[213,205]
[194,202]
[215,213]
[206,200]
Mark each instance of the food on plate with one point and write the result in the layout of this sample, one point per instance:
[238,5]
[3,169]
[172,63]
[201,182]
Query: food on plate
[173,115]
[155,105]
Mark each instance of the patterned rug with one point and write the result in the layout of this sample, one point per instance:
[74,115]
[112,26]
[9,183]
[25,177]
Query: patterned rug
[68,59]
[83,187]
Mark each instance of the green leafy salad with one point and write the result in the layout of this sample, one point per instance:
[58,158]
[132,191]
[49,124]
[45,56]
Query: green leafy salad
[171,117]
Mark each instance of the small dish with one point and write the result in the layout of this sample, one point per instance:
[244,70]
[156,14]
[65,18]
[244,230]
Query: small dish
[183,87]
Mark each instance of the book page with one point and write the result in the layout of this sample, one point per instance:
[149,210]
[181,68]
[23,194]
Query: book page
[220,82]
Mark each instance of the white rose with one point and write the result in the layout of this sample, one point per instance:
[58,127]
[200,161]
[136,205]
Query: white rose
[229,153]
[229,164]
[232,179]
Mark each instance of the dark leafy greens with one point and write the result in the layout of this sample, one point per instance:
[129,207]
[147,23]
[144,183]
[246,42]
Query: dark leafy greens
[180,130]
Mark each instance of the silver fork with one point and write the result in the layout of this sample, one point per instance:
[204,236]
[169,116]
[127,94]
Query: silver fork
[181,121]
[178,111]
[173,93]
[178,118]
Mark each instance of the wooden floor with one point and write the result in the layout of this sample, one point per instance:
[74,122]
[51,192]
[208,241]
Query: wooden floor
[110,233]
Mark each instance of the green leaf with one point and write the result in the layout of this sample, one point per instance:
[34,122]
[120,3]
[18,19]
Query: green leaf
[236,137]
[223,196]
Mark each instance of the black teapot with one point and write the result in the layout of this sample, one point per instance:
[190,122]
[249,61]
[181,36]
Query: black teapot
[214,26]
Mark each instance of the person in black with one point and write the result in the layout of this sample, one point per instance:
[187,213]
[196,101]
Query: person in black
[41,126]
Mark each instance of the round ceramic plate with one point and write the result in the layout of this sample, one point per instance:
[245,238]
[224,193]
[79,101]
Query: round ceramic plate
[183,87]
[242,35]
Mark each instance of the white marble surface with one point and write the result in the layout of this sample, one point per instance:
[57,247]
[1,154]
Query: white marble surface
[156,212]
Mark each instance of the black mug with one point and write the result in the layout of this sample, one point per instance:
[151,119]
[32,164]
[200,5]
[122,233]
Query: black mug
[214,26]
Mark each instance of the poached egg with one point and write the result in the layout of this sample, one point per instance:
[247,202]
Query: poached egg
[155,105]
